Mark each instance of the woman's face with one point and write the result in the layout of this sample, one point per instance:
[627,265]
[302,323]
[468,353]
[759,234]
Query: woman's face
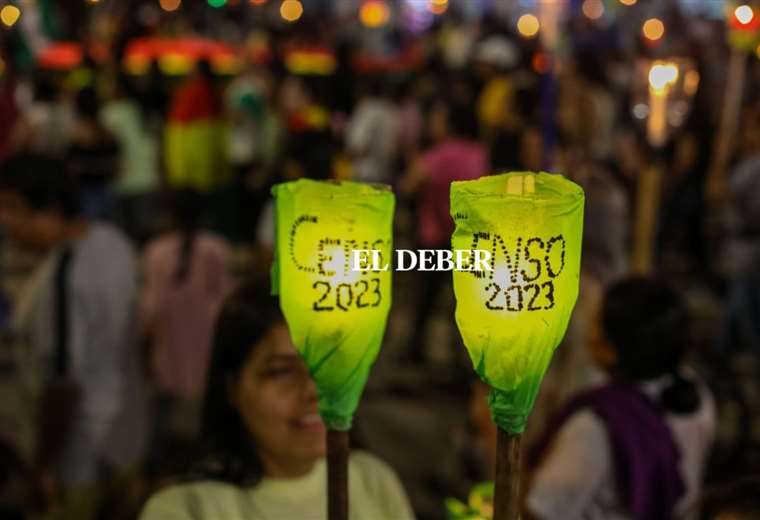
[277,401]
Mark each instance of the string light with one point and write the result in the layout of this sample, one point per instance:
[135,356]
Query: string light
[374,13]
[10,14]
[438,6]
[744,14]
[653,29]
[593,9]
[170,5]
[628,2]
[291,10]
[217,3]
[528,25]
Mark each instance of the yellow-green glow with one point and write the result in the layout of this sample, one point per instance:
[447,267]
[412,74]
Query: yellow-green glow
[336,315]
[513,318]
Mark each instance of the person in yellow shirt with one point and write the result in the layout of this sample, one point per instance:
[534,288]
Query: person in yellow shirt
[497,107]
[264,439]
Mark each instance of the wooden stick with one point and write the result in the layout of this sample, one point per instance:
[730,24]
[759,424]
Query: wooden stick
[337,475]
[729,123]
[506,499]
[647,211]
[724,145]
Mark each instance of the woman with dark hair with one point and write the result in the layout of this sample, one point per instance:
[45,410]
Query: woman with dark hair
[264,439]
[186,278]
[92,157]
[455,155]
[636,446]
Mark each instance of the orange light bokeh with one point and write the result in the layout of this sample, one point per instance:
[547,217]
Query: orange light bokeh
[438,6]
[528,25]
[374,13]
[291,10]
[593,9]
[9,15]
[653,29]
[170,5]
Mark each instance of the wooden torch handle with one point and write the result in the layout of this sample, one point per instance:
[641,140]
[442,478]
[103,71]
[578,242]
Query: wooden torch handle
[506,498]
[337,475]
[647,213]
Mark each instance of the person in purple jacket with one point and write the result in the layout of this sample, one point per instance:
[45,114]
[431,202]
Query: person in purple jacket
[634,447]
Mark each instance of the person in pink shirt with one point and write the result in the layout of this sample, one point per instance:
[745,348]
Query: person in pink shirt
[455,155]
[186,279]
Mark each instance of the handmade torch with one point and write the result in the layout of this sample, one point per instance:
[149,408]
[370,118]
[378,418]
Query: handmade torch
[662,95]
[513,317]
[336,315]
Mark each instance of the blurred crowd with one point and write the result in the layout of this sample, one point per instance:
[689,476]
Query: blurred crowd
[134,205]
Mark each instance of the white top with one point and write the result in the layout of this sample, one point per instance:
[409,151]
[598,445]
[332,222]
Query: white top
[101,295]
[577,480]
[372,137]
[375,493]
[139,164]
